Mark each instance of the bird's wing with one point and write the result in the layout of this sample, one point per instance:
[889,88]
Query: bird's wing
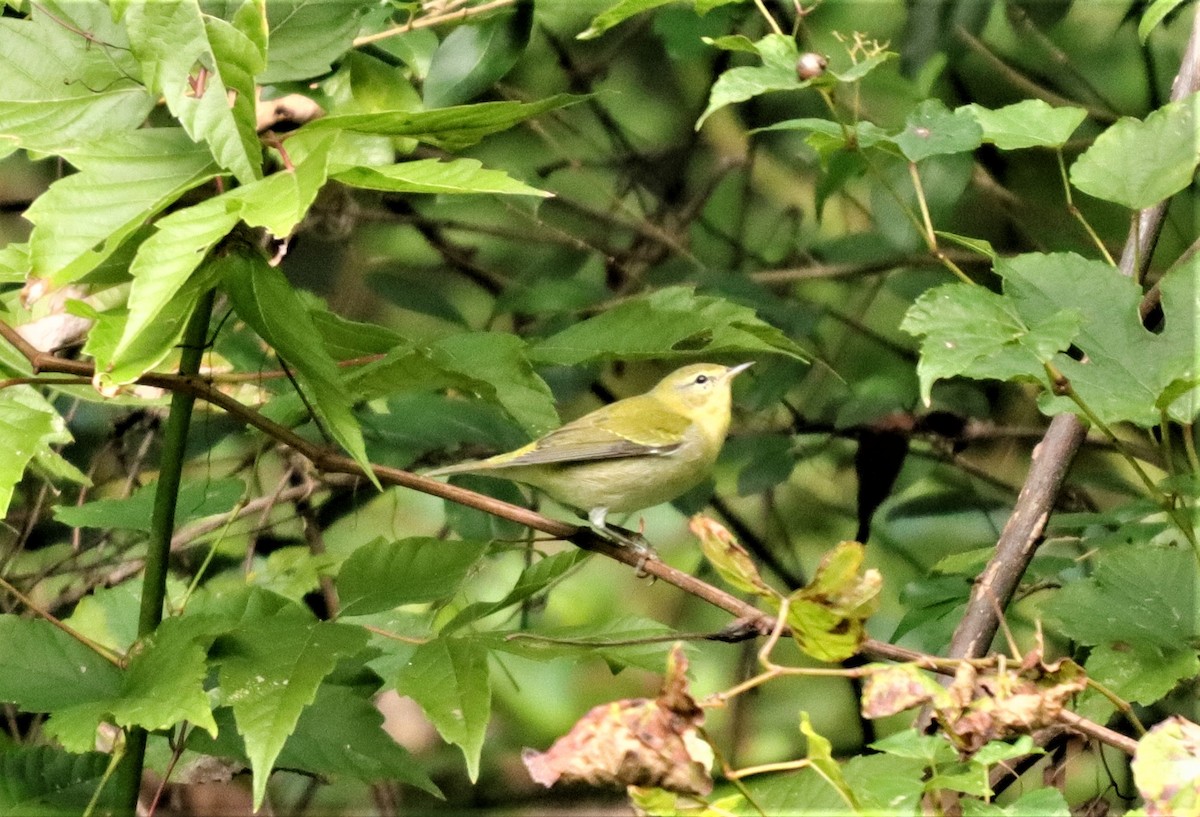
[628,428]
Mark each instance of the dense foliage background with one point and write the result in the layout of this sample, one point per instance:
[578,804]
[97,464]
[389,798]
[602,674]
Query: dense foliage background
[374,236]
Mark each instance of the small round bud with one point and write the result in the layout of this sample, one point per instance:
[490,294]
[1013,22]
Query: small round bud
[811,65]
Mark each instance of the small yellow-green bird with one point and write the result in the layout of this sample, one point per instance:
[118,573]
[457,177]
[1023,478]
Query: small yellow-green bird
[628,455]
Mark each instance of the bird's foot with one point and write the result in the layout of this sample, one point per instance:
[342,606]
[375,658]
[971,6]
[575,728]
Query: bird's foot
[636,542]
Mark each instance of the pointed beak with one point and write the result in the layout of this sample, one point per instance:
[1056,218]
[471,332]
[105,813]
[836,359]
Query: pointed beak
[734,371]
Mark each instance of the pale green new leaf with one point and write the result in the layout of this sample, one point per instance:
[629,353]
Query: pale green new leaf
[436,176]
[164,265]
[57,88]
[274,674]
[122,183]
[1026,124]
[932,129]
[448,678]
[777,73]
[1138,163]
[29,425]
[204,67]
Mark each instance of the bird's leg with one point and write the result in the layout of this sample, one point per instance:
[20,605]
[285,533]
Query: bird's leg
[623,537]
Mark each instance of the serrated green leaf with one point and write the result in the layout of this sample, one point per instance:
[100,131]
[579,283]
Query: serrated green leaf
[164,682]
[475,56]
[278,664]
[777,73]
[820,754]
[932,129]
[972,332]
[1114,604]
[307,36]
[204,67]
[1128,366]
[385,574]
[616,14]
[448,678]
[342,734]
[264,299]
[83,218]
[438,177]
[1139,163]
[1136,672]
[863,67]
[29,425]
[668,324]
[1026,124]
[451,128]
[57,88]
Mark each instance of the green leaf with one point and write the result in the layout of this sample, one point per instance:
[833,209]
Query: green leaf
[1026,124]
[777,73]
[436,176]
[196,499]
[473,57]
[931,129]
[1128,367]
[385,574]
[450,128]
[57,88]
[165,288]
[533,580]
[84,218]
[46,670]
[164,682]
[498,367]
[29,427]
[273,674]
[972,332]
[618,13]
[1140,163]
[342,734]
[668,324]
[47,780]
[448,678]
[264,299]
[1136,672]
[933,750]
[1154,14]
[204,67]
[1164,619]
[308,35]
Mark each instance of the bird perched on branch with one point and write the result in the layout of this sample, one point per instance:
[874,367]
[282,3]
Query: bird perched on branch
[628,455]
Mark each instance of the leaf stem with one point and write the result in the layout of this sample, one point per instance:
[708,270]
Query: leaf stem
[96,647]
[928,232]
[770,20]
[1075,211]
[1062,385]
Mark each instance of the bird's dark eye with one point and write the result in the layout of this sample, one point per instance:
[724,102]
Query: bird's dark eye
[701,379]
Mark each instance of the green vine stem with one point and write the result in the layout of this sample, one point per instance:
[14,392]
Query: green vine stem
[1061,385]
[162,524]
